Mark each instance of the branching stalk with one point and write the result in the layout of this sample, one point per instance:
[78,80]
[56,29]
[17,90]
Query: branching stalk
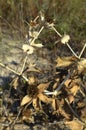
[56,31]
[37,35]
[82,51]
[57,91]
[25,60]
[8,68]
[72,50]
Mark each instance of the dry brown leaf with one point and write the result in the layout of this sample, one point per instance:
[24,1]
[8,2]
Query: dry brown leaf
[74,125]
[67,82]
[26,99]
[44,98]
[65,61]
[74,89]
[70,98]
[43,86]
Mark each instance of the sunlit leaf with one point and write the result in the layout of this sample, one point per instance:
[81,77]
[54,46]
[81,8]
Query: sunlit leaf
[43,86]
[74,89]
[26,99]
[74,125]
[65,61]
[44,98]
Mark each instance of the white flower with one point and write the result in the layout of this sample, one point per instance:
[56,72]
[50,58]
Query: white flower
[27,48]
[65,39]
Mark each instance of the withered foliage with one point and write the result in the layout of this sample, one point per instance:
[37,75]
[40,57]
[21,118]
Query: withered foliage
[62,95]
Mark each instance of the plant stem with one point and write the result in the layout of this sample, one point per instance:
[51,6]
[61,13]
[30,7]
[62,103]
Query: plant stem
[56,31]
[82,51]
[72,50]
[37,35]
[8,68]
[25,60]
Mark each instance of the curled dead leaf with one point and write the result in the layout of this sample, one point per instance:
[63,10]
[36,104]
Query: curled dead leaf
[44,98]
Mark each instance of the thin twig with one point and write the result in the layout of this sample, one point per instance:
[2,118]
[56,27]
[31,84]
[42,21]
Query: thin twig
[82,51]
[56,31]
[37,35]
[8,68]
[36,18]
[14,122]
[72,50]
[76,115]
[67,43]
[25,60]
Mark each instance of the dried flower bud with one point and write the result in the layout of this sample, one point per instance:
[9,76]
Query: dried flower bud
[65,39]
[27,48]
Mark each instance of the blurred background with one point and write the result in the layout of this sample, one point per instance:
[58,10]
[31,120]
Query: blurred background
[69,16]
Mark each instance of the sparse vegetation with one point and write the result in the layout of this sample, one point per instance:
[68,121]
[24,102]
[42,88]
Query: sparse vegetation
[50,85]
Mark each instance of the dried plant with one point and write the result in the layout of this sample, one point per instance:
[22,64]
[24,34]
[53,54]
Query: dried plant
[58,93]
